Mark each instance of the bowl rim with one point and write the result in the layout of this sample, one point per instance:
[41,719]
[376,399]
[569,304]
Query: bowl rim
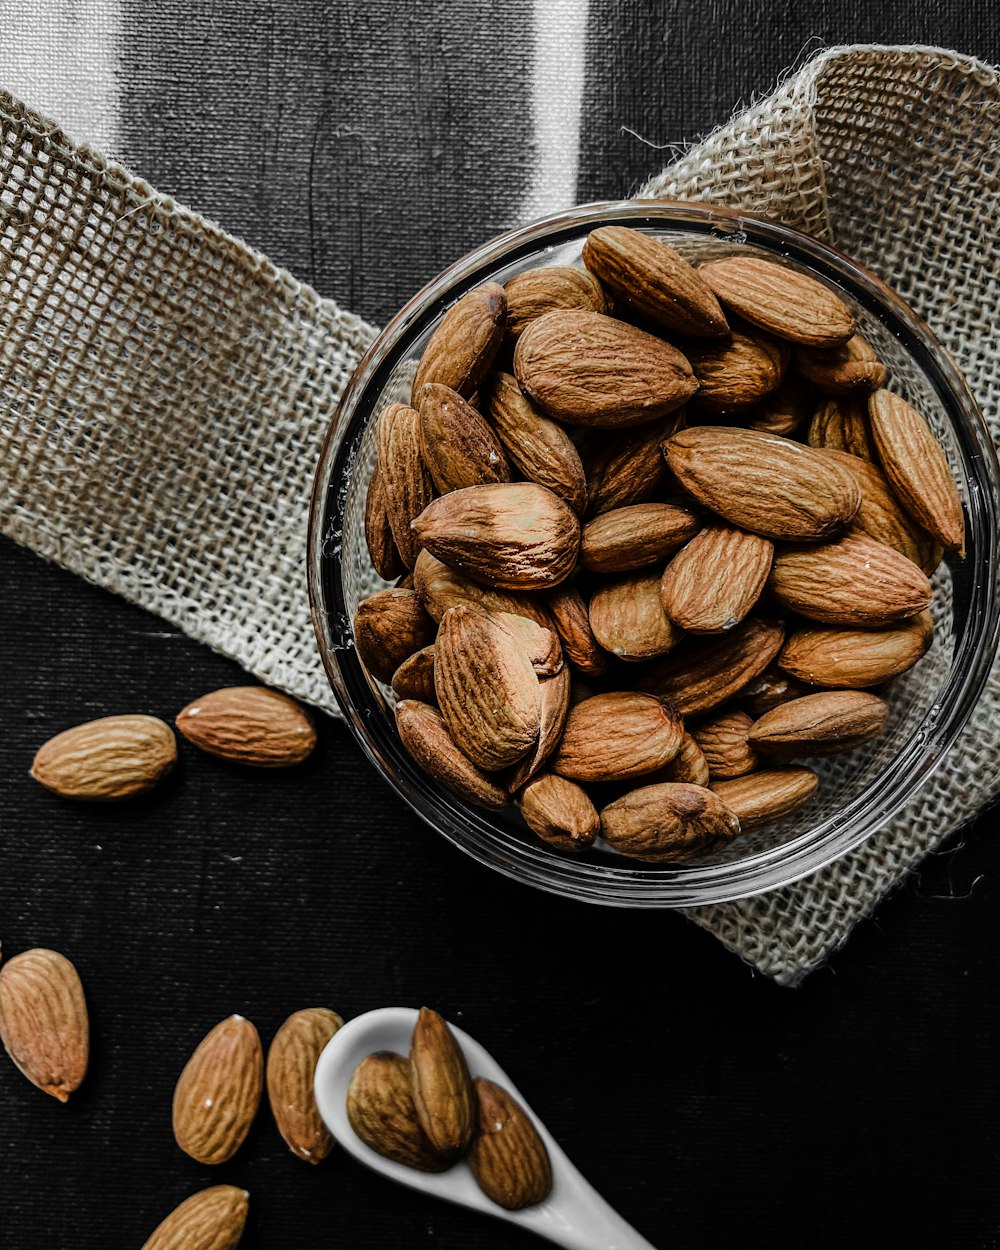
[633,885]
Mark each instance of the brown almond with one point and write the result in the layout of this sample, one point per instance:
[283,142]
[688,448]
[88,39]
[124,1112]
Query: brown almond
[408,487]
[651,281]
[440,587]
[458,446]
[381,1112]
[414,679]
[540,642]
[486,688]
[588,369]
[572,621]
[461,350]
[851,369]
[212,1219]
[389,626]
[917,470]
[385,557]
[780,299]
[737,373]
[668,823]
[688,765]
[218,1092]
[723,741]
[820,724]
[508,1157]
[714,582]
[290,1074]
[538,291]
[249,725]
[554,694]
[785,411]
[841,424]
[560,812]
[635,537]
[515,535]
[627,468]
[540,449]
[43,1021]
[852,581]
[115,757]
[612,737]
[628,619]
[422,731]
[852,658]
[770,689]
[443,1097]
[705,672]
[769,795]
[762,483]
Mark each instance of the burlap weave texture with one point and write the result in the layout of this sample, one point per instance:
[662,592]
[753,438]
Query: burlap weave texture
[163,388]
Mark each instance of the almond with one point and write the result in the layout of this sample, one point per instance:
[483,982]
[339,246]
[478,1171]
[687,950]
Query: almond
[249,725]
[785,410]
[780,299]
[540,449]
[588,369]
[291,1074]
[628,620]
[764,797]
[852,658]
[408,487]
[538,291]
[851,369]
[385,558]
[688,765]
[389,626]
[508,1158]
[443,1097]
[458,446]
[650,280]
[723,741]
[43,1021]
[612,737]
[737,373]
[218,1092]
[461,350]
[841,424]
[517,536]
[440,588]
[423,733]
[917,470]
[212,1219]
[714,582]
[704,672]
[668,823]
[770,689]
[560,812]
[629,468]
[635,537]
[116,757]
[853,581]
[539,642]
[486,688]
[572,621]
[414,679]
[820,724]
[554,693]
[762,483]
[381,1111]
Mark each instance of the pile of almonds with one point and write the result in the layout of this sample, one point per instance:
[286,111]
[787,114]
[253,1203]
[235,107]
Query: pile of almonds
[426,1112]
[659,531]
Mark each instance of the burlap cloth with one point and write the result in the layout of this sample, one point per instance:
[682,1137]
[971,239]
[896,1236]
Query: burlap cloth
[164,389]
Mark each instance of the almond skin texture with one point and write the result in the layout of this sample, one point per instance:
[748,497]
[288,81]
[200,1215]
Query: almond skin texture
[785,411]
[917,470]
[381,545]
[560,812]
[554,695]
[627,468]
[423,733]
[439,588]
[854,581]
[516,535]
[443,1097]
[628,620]
[218,1093]
[458,446]
[762,483]
[407,484]
[588,369]
[635,537]
[540,449]
[714,582]
[651,281]
[769,690]
[508,1158]
[538,291]
[763,797]
[705,672]
[116,757]
[852,369]
[781,300]
[840,424]
[486,688]
[738,373]
[389,626]
[460,352]
[414,679]
[852,658]
[613,737]
[249,725]
[820,724]
[290,1074]
[43,1021]
[668,823]
[723,741]
[688,765]
[212,1219]
[541,642]
[381,1111]
[569,612]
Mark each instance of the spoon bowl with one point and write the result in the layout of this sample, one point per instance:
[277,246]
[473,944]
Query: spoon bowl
[573,1215]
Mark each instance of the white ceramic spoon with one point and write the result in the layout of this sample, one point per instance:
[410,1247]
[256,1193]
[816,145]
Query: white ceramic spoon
[574,1214]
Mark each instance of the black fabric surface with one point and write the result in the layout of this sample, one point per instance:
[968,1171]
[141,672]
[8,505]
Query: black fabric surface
[364,146]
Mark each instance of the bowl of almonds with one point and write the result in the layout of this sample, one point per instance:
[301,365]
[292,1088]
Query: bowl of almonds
[653,554]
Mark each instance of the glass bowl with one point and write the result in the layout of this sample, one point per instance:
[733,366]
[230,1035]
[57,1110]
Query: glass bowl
[859,792]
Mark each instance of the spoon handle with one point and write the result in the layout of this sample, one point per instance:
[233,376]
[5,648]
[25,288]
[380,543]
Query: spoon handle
[582,1220]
